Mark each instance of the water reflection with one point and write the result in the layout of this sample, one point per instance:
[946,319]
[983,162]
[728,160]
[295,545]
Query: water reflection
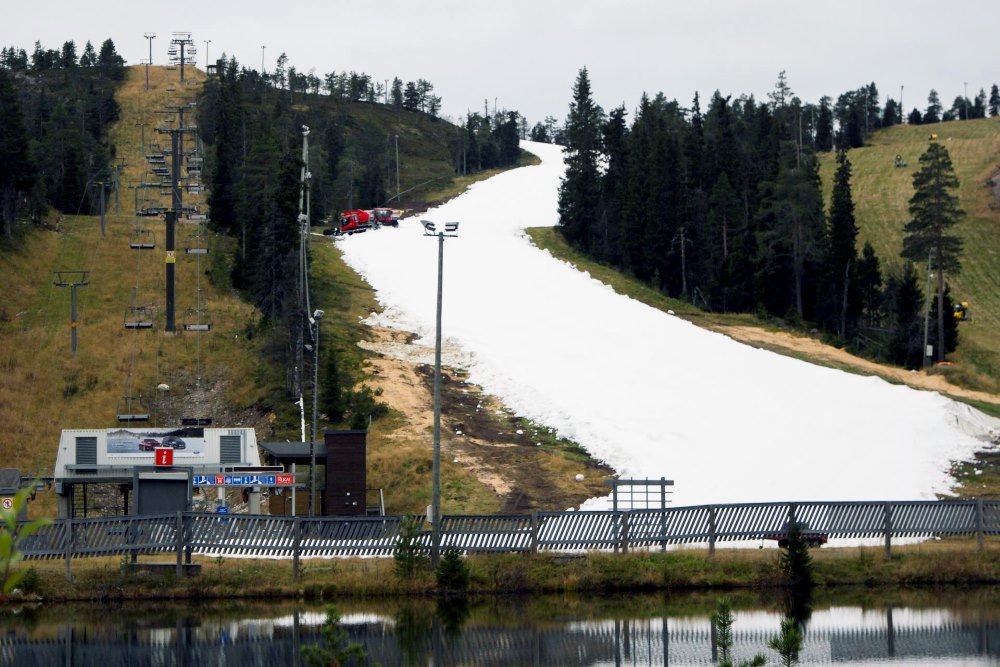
[957,627]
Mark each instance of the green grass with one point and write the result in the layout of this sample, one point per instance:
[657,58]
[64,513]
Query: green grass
[932,564]
[882,193]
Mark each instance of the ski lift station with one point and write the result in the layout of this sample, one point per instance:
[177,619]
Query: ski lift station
[159,467]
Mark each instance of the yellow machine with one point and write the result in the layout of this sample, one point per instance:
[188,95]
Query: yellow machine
[962,313]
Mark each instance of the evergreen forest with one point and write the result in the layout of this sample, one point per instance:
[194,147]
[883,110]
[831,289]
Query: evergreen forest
[723,206]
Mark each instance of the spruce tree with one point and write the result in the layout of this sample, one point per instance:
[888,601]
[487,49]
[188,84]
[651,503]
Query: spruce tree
[994,100]
[933,113]
[870,285]
[841,255]
[580,190]
[935,211]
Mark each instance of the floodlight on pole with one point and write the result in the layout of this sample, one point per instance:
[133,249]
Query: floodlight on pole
[430,229]
[150,36]
[207,42]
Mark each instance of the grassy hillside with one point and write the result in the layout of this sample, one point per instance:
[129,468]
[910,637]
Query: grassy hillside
[44,388]
[882,193]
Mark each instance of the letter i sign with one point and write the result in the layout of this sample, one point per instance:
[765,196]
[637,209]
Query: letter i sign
[164,456]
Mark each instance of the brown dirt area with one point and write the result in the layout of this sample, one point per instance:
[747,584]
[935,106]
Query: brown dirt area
[477,433]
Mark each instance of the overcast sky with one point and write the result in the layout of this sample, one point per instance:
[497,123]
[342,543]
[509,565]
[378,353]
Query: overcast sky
[525,54]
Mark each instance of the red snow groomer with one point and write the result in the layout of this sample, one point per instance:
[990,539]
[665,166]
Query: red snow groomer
[385,216]
[355,221]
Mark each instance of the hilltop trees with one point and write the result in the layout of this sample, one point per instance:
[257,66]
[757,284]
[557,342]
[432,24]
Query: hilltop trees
[935,211]
[55,110]
[17,172]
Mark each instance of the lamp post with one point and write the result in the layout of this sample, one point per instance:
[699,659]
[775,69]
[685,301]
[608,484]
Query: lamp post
[430,229]
[207,42]
[314,321]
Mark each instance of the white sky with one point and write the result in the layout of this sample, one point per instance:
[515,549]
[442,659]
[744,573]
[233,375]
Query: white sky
[644,391]
[525,55]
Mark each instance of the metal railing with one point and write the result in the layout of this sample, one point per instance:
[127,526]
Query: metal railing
[188,533]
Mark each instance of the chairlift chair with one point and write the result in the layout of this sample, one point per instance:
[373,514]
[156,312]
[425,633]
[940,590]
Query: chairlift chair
[138,317]
[142,239]
[133,409]
[197,319]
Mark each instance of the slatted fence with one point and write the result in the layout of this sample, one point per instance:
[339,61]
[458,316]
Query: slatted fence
[327,537]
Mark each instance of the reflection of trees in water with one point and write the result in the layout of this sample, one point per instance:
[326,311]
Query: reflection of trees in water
[453,612]
[413,630]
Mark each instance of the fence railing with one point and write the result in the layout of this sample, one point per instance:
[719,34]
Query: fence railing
[188,533]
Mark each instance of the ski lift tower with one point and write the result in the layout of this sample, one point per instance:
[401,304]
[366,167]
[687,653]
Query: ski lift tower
[176,139]
[182,50]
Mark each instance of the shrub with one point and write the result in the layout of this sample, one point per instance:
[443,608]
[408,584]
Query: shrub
[410,555]
[452,572]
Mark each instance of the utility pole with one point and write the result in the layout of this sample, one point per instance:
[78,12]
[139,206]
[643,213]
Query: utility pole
[927,311]
[207,42]
[262,47]
[71,279]
[142,140]
[396,136]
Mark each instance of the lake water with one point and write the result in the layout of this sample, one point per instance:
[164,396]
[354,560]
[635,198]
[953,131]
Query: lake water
[937,627]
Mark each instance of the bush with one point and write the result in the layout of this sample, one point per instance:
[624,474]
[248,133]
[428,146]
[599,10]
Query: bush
[452,572]
[410,556]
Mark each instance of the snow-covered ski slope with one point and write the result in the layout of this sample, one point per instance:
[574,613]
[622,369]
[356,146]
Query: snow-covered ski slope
[646,392]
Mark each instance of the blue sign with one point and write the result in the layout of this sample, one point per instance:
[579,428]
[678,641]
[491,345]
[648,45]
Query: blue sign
[222,509]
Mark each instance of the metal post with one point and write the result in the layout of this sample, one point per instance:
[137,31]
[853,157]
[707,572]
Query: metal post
[534,532]
[101,183]
[150,36]
[296,542]
[436,501]
[180,543]
[68,539]
[72,316]
[711,530]
[207,42]
[396,136]
[888,530]
[927,310]
[317,316]
[71,279]
[175,205]
[979,524]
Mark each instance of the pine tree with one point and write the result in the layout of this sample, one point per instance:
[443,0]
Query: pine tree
[994,100]
[904,314]
[933,113]
[580,190]
[841,302]
[935,211]
[791,220]
[870,285]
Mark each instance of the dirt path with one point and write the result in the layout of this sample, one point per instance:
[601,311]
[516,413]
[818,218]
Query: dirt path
[787,343]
